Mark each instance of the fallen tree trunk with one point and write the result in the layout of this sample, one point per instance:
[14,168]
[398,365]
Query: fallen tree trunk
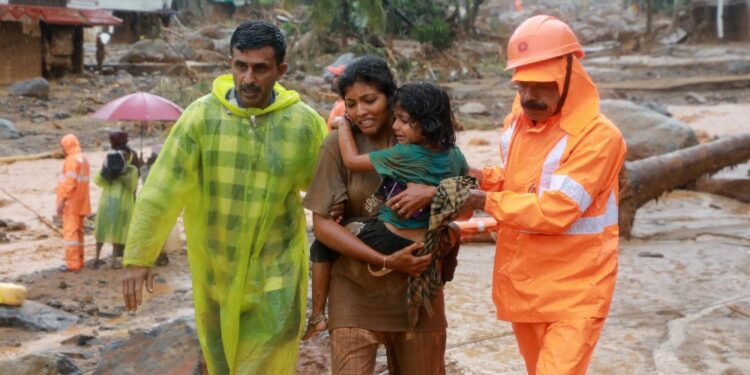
[738,189]
[43,155]
[647,179]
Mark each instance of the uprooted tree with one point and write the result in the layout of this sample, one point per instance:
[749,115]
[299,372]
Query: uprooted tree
[644,180]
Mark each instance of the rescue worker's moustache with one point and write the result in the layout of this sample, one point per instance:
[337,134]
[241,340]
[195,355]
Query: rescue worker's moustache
[250,88]
[534,105]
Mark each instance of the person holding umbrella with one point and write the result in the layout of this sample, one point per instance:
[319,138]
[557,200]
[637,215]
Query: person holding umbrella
[236,161]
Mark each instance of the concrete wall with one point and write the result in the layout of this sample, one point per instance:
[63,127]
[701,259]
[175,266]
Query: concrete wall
[20,52]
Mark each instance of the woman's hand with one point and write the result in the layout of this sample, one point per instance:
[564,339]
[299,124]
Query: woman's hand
[409,201]
[339,122]
[404,262]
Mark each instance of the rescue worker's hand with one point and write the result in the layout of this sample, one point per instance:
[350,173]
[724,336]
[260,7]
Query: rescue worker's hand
[475,201]
[132,285]
[409,201]
[403,260]
[336,212]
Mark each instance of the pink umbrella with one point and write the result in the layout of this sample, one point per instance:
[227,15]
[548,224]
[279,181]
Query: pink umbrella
[141,106]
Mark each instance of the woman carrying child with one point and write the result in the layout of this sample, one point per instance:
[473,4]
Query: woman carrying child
[368,310]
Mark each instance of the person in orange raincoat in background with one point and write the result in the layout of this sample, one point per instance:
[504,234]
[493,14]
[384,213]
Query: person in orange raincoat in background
[73,200]
[555,198]
[339,109]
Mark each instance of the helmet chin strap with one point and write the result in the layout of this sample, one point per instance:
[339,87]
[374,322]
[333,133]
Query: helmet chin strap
[566,86]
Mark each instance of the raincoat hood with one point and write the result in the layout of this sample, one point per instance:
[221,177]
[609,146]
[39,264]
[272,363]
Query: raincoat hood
[224,83]
[581,104]
[70,144]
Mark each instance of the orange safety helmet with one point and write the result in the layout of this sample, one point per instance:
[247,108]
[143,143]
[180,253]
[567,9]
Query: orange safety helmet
[541,38]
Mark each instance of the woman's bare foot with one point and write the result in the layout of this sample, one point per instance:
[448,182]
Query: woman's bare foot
[315,325]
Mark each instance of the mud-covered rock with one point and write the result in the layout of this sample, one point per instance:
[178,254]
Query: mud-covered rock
[151,50]
[36,317]
[37,87]
[169,349]
[473,108]
[8,130]
[647,132]
[39,364]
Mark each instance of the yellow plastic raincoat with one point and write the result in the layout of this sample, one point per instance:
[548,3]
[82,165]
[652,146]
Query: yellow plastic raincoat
[237,172]
[115,206]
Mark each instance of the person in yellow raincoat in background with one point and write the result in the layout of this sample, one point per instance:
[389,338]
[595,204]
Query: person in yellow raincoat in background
[73,203]
[236,161]
[555,198]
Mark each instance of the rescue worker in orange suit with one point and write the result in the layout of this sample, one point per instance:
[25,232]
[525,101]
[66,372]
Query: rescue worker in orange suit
[555,197]
[73,200]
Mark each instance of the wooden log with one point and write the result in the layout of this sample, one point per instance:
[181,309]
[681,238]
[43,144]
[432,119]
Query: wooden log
[42,155]
[738,189]
[647,179]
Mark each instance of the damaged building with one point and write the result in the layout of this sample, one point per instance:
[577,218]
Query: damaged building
[44,41]
[721,19]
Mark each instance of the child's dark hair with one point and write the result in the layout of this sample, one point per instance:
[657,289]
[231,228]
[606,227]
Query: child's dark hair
[430,108]
[258,34]
[368,69]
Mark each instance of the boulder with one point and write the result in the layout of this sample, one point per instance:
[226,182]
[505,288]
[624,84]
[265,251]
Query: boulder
[647,132]
[169,349]
[36,317]
[37,87]
[150,50]
[8,130]
[198,42]
[473,108]
[40,364]
[215,31]
[185,50]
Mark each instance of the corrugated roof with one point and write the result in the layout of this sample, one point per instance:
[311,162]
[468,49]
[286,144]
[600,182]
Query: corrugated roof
[57,16]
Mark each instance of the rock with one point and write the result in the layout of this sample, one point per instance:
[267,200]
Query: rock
[473,108]
[198,42]
[37,87]
[36,317]
[150,50]
[213,31]
[79,340]
[211,56]
[658,107]
[695,98]
[8,130]
[677,36]
[646,132]
[170,348]
[649,254]
[12,225]
[314,80]
[185,50]
[738,67]
[40,364]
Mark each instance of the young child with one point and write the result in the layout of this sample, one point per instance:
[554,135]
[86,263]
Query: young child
[426,153]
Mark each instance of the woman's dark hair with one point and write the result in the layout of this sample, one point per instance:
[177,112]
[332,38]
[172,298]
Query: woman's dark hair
[256,35]
[368,69]
[429,107]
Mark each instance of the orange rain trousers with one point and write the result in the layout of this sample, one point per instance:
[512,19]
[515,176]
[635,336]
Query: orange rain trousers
[558,348]
[73,241]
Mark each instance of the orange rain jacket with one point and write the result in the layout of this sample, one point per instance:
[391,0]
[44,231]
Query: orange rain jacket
[73,183]
[555,197]
[339,109]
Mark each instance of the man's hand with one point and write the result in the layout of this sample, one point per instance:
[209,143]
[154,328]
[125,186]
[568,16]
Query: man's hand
[476,201]
[132,285]
[336,212]
[409,201]
[476,173]
[404,262]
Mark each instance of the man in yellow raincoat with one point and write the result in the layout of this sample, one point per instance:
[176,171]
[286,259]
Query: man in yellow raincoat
[555,197]
[236,161]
